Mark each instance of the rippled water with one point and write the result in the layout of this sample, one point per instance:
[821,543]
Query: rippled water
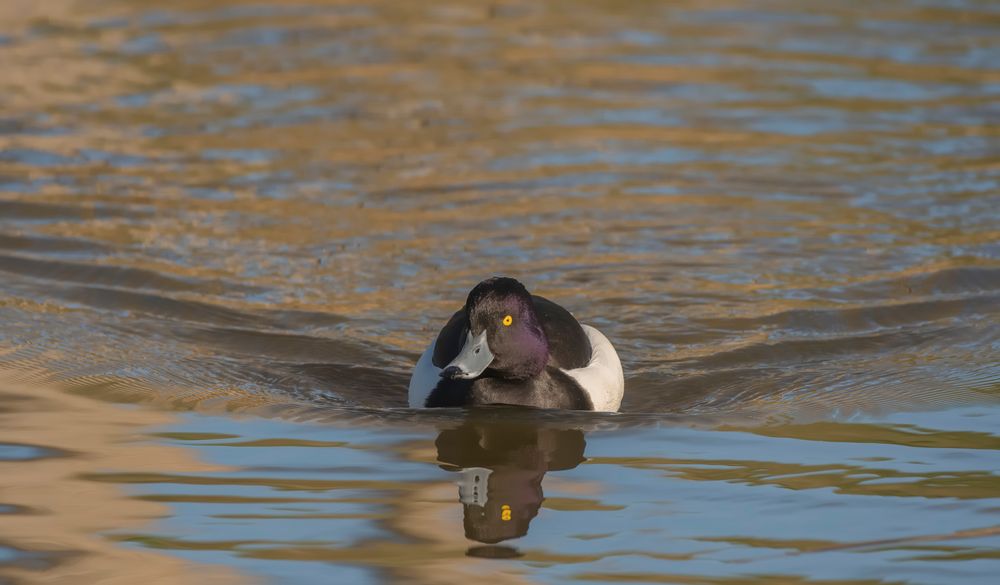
[251,218]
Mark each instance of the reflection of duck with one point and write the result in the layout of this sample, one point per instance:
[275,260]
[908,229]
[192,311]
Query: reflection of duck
[502,465]
[509,347]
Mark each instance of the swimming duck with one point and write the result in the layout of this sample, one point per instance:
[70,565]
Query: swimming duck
[507,346]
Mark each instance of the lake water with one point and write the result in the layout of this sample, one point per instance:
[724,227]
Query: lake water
[228,229]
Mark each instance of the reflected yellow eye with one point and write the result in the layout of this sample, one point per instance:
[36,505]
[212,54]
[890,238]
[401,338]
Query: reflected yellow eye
[507,321]
[505,513]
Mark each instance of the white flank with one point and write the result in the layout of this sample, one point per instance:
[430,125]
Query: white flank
[425,377]
[602,379]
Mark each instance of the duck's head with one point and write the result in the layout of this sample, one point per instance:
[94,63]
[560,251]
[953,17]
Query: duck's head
[504,338]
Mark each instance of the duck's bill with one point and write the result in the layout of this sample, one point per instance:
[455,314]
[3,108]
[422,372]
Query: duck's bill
[472,361]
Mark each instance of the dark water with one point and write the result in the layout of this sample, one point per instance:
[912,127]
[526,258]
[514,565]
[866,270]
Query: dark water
[249,219]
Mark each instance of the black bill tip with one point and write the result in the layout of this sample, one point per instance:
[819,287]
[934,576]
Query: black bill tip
[452,372]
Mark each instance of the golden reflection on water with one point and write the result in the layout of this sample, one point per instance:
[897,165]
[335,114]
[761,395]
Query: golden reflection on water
[58,514]
[441,525]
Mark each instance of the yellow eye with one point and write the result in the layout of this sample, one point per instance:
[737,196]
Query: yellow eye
[507,321]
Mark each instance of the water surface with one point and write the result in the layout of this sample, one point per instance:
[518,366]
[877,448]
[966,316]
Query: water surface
[248,219]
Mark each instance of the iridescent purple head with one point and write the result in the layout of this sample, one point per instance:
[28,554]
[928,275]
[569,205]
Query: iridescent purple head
[505,338]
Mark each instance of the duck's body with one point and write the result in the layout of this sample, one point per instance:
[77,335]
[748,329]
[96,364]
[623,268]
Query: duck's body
[520,350]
